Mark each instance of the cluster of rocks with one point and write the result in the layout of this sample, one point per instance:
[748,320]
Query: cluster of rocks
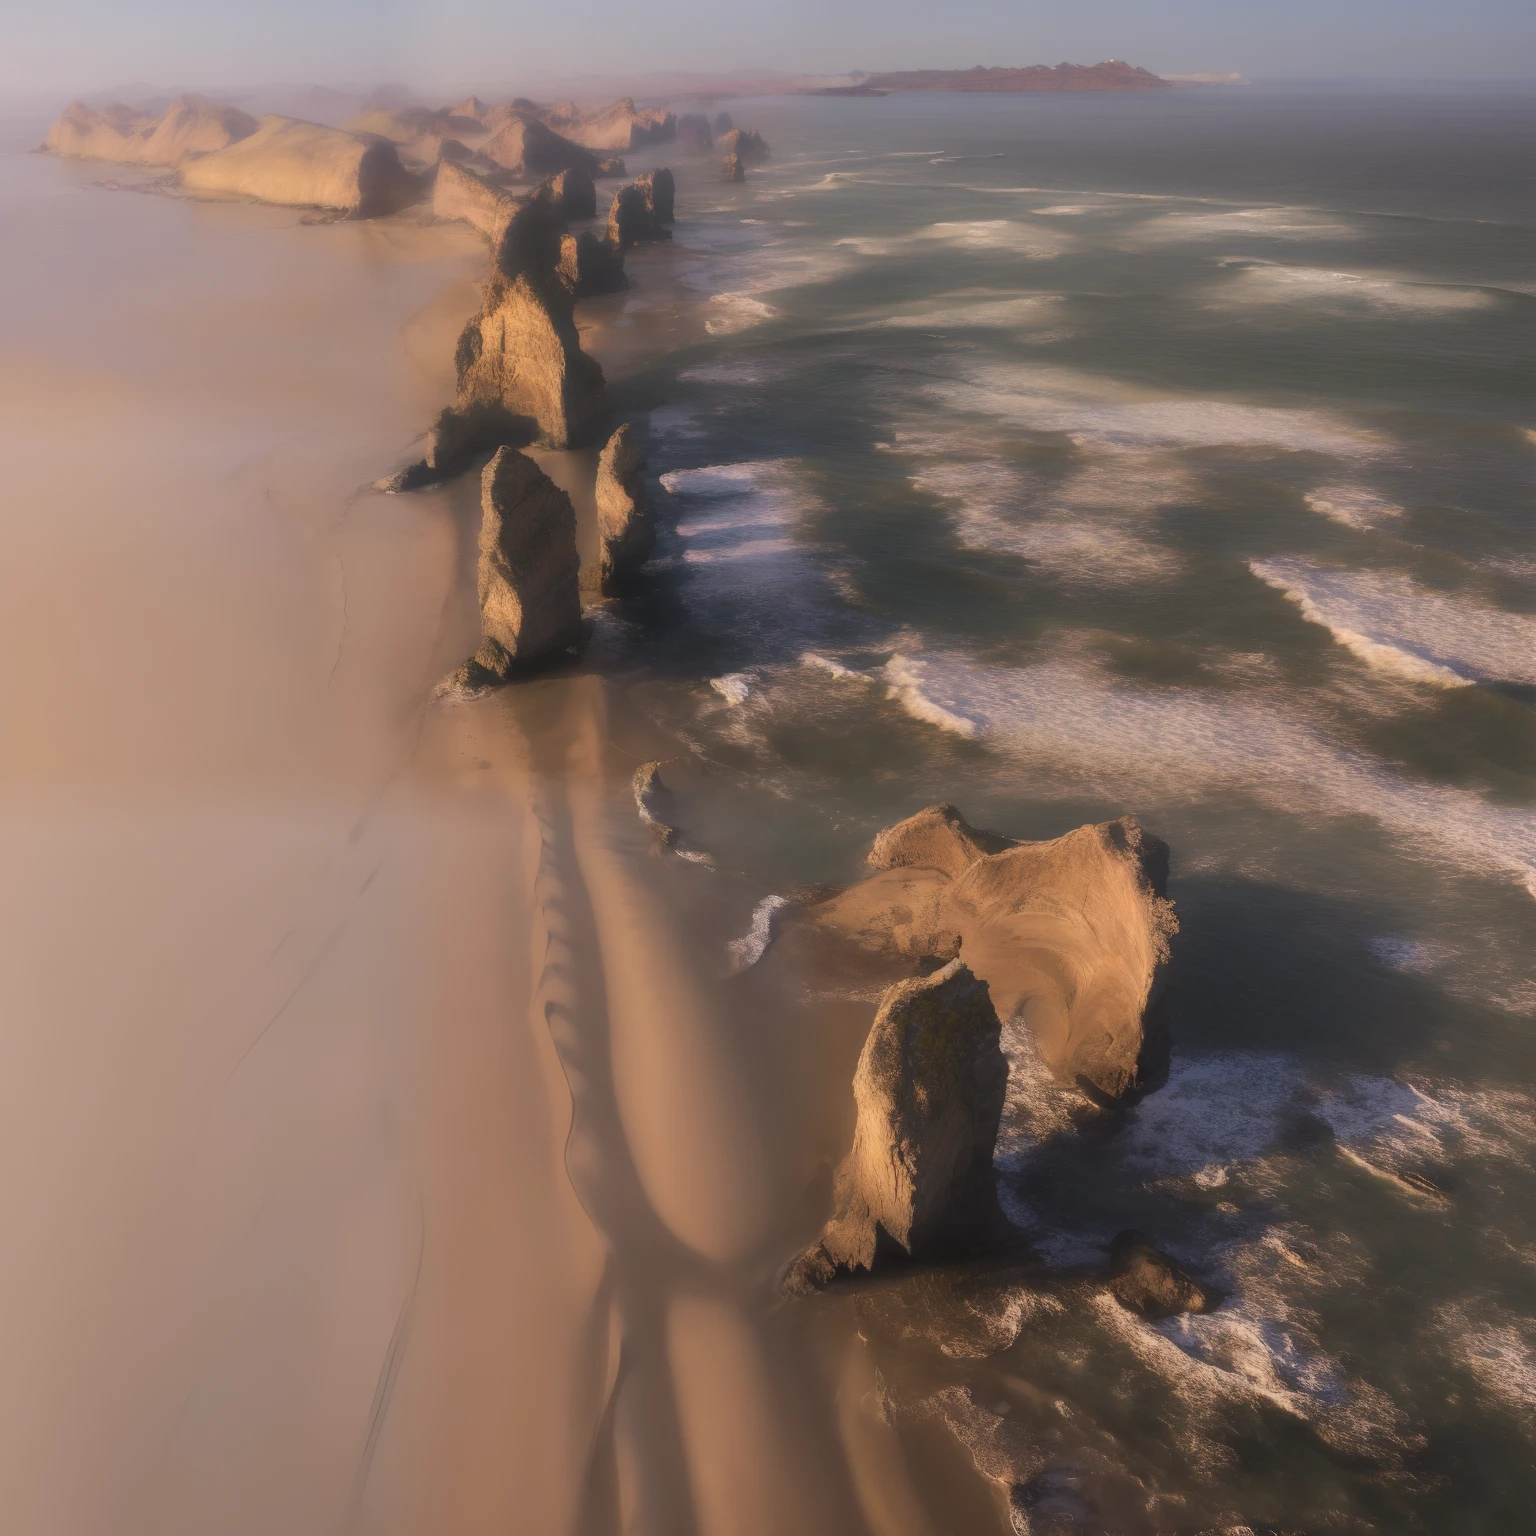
[740,147]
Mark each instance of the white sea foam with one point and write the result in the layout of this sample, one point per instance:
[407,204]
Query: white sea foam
[734,687]
[1414,956]
[994,314]
[1349,293]
[745,952]
[1019,239]
[1496,1348]
[1396,626]
[1122,739]
[1269,223]
[675,421]
[732,312]
[832,668]
[1356,506]
[744,371]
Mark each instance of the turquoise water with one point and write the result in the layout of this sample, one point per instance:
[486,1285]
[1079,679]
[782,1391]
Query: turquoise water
[1068,457]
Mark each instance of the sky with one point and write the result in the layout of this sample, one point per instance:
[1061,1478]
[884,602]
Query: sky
[88,45]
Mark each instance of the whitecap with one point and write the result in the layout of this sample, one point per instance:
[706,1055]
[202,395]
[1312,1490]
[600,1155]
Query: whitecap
[1349,292]
[743,953]
[1355,506]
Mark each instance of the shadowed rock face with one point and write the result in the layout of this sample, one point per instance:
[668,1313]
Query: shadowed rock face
[1070,935]
[732,169]
[590,266]
[418,133]
[530,240]
[723,123]
[307,165]
[529,149]
[570,193]
[626,534]
[1146,1280]
[631,219]
[929,1089]
[619,126]
[746,142]
[530,607]
[522,355]
[459,193]
[191,127]
[471,107]
[660,193]
[694,132]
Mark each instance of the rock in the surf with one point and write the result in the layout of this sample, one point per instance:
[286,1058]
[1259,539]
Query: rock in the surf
[530,241]
[631,218]
[625,533]
[460,193]
[1144,1279]
[590,266]
[693,132]
[660,193]
[521,356]
[732,169]
[307,165]
[746,142]
[529,149]
[929,1092]
[570,192]
[530,606]
[1071,935]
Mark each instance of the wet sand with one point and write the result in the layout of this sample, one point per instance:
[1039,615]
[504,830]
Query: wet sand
[387,1150]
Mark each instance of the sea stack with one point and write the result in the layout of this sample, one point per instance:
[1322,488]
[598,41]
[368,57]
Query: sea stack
[626,534]
[746,142]
[530,605]
[660,194]
[590,266]
[306,165]
[460,193]
[570,192]
[529,149]
[693,132]
[929,1088]
[632,218]
[732,168]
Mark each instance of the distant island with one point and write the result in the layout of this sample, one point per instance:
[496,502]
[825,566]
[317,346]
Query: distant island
[1112,75]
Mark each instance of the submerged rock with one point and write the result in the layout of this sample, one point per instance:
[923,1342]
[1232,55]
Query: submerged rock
[192,126]
[693,132]
[307,165]
[529,149]
[660,193]
[460,193]
[732,168]
[632,219]
[590,266]
[530,608]
[1071,935]
[746,142]
[929,1090]
[626,535]
[1144,1279]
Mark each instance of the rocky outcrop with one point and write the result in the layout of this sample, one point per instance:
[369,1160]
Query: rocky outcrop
[660,194]
[418,133]
[529,149]
[929,1091]
[723,123]
[590,266]
[732,169]
[530,607]
[632,218]
[530,241]
[625,533]
[471,107]
[191,127]
[619,126]
[521,358]
[1144,1279]
[748,143]
[307,165]
[570,193]
[1070,935]
[694,132]
[460,193]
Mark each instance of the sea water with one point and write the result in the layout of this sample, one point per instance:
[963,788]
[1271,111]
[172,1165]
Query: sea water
[1170,455]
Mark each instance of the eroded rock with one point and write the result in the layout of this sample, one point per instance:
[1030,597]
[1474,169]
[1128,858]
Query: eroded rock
[660,193]
[748,143]
[570,192]
[632,217]
[626,535]
[192,126]
[619,126]
[530,607]
[937,837]
[589,265]
[732,168]
[460,193]
[529,149]
[929,1092]
[694,132]
[307,165]
[1144,1279]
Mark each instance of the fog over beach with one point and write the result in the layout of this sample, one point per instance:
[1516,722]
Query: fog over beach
[797,808]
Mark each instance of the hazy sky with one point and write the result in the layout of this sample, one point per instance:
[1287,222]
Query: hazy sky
[90,44]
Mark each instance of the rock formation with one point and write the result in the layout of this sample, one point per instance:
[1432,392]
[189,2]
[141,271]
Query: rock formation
[530,241]
[929,1089]
[192,126]
[1114,75]
[589,266]
[631,219]
[723,123]
[693,132]
[570,193]
[521,356]
[471,107]
[732,169]
[625,533]
[1070,935]
[660,194]
[418,133]
[620,126]
[530,607]
[1145,1280]
[304,164]
[529,149]
[460,193]
[746,142]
